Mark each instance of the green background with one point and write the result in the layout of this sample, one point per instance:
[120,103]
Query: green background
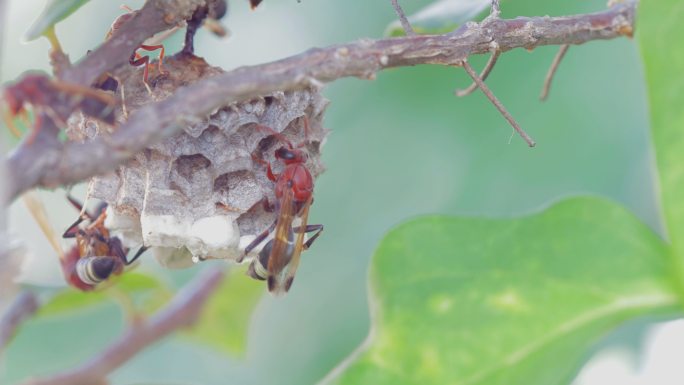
[400,146]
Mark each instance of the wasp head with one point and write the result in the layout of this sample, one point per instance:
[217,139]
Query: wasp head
[291,155]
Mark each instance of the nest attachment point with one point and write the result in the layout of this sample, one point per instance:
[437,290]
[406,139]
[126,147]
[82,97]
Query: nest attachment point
[200,194]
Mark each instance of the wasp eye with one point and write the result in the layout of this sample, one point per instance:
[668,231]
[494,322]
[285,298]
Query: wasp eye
[284,153]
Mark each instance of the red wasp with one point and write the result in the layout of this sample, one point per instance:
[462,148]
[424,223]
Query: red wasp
[55,99]
[278,260]
[96,256]
[136,59]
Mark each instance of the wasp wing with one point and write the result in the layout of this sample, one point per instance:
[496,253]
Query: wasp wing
[298,246]
[281,251]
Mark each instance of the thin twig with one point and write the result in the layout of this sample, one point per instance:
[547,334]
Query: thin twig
[496,9]
[552,71]
[497,103]
[50,163]
[183,311]
[23,307]
[485,73]
[408,29]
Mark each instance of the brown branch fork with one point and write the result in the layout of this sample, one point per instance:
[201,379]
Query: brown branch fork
[50,163]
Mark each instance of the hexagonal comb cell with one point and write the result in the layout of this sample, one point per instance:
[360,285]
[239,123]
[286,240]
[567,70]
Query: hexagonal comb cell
[200,192]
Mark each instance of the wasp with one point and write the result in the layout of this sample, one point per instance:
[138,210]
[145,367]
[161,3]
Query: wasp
[278,260]
[97,255]
[55,99]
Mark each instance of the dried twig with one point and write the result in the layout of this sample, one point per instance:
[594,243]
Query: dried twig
[50,163]
[485,72]
[408,29]
[497,103]
[552,71]
[496,9]
[183,311]
[22,307]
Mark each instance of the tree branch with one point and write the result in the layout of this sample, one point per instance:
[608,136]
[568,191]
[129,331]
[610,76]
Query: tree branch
[22,308]
[483,75]
[497,103]
[65,163]
[183,311]
[405,24]
[552,71]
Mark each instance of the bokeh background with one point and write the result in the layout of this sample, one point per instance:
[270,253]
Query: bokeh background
[400,146]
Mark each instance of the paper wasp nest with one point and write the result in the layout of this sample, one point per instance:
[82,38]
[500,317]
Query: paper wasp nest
[200,193]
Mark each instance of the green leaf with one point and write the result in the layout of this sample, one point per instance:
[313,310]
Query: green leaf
[440,17]
[54,12]
[660,23]
[226,317]
[519,301]
[130,284]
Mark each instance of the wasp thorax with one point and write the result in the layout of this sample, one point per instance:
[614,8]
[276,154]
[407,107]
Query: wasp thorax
[201,193]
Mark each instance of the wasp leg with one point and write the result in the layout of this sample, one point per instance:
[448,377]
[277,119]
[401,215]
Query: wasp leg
[137,60]
[268,207]
[73,229]
[269,171]
[310,228]
[137,255]
[260,238]
[159,47]
[79,206]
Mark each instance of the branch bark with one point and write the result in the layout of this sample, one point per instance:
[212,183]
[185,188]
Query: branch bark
[183,311]
[22,308]
[405,24]
[65,163]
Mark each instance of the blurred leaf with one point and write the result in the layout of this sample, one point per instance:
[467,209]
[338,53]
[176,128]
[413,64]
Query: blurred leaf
[440,17]
[664,67]
[226,316]
[54,12]
[519,301]
[131,284]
